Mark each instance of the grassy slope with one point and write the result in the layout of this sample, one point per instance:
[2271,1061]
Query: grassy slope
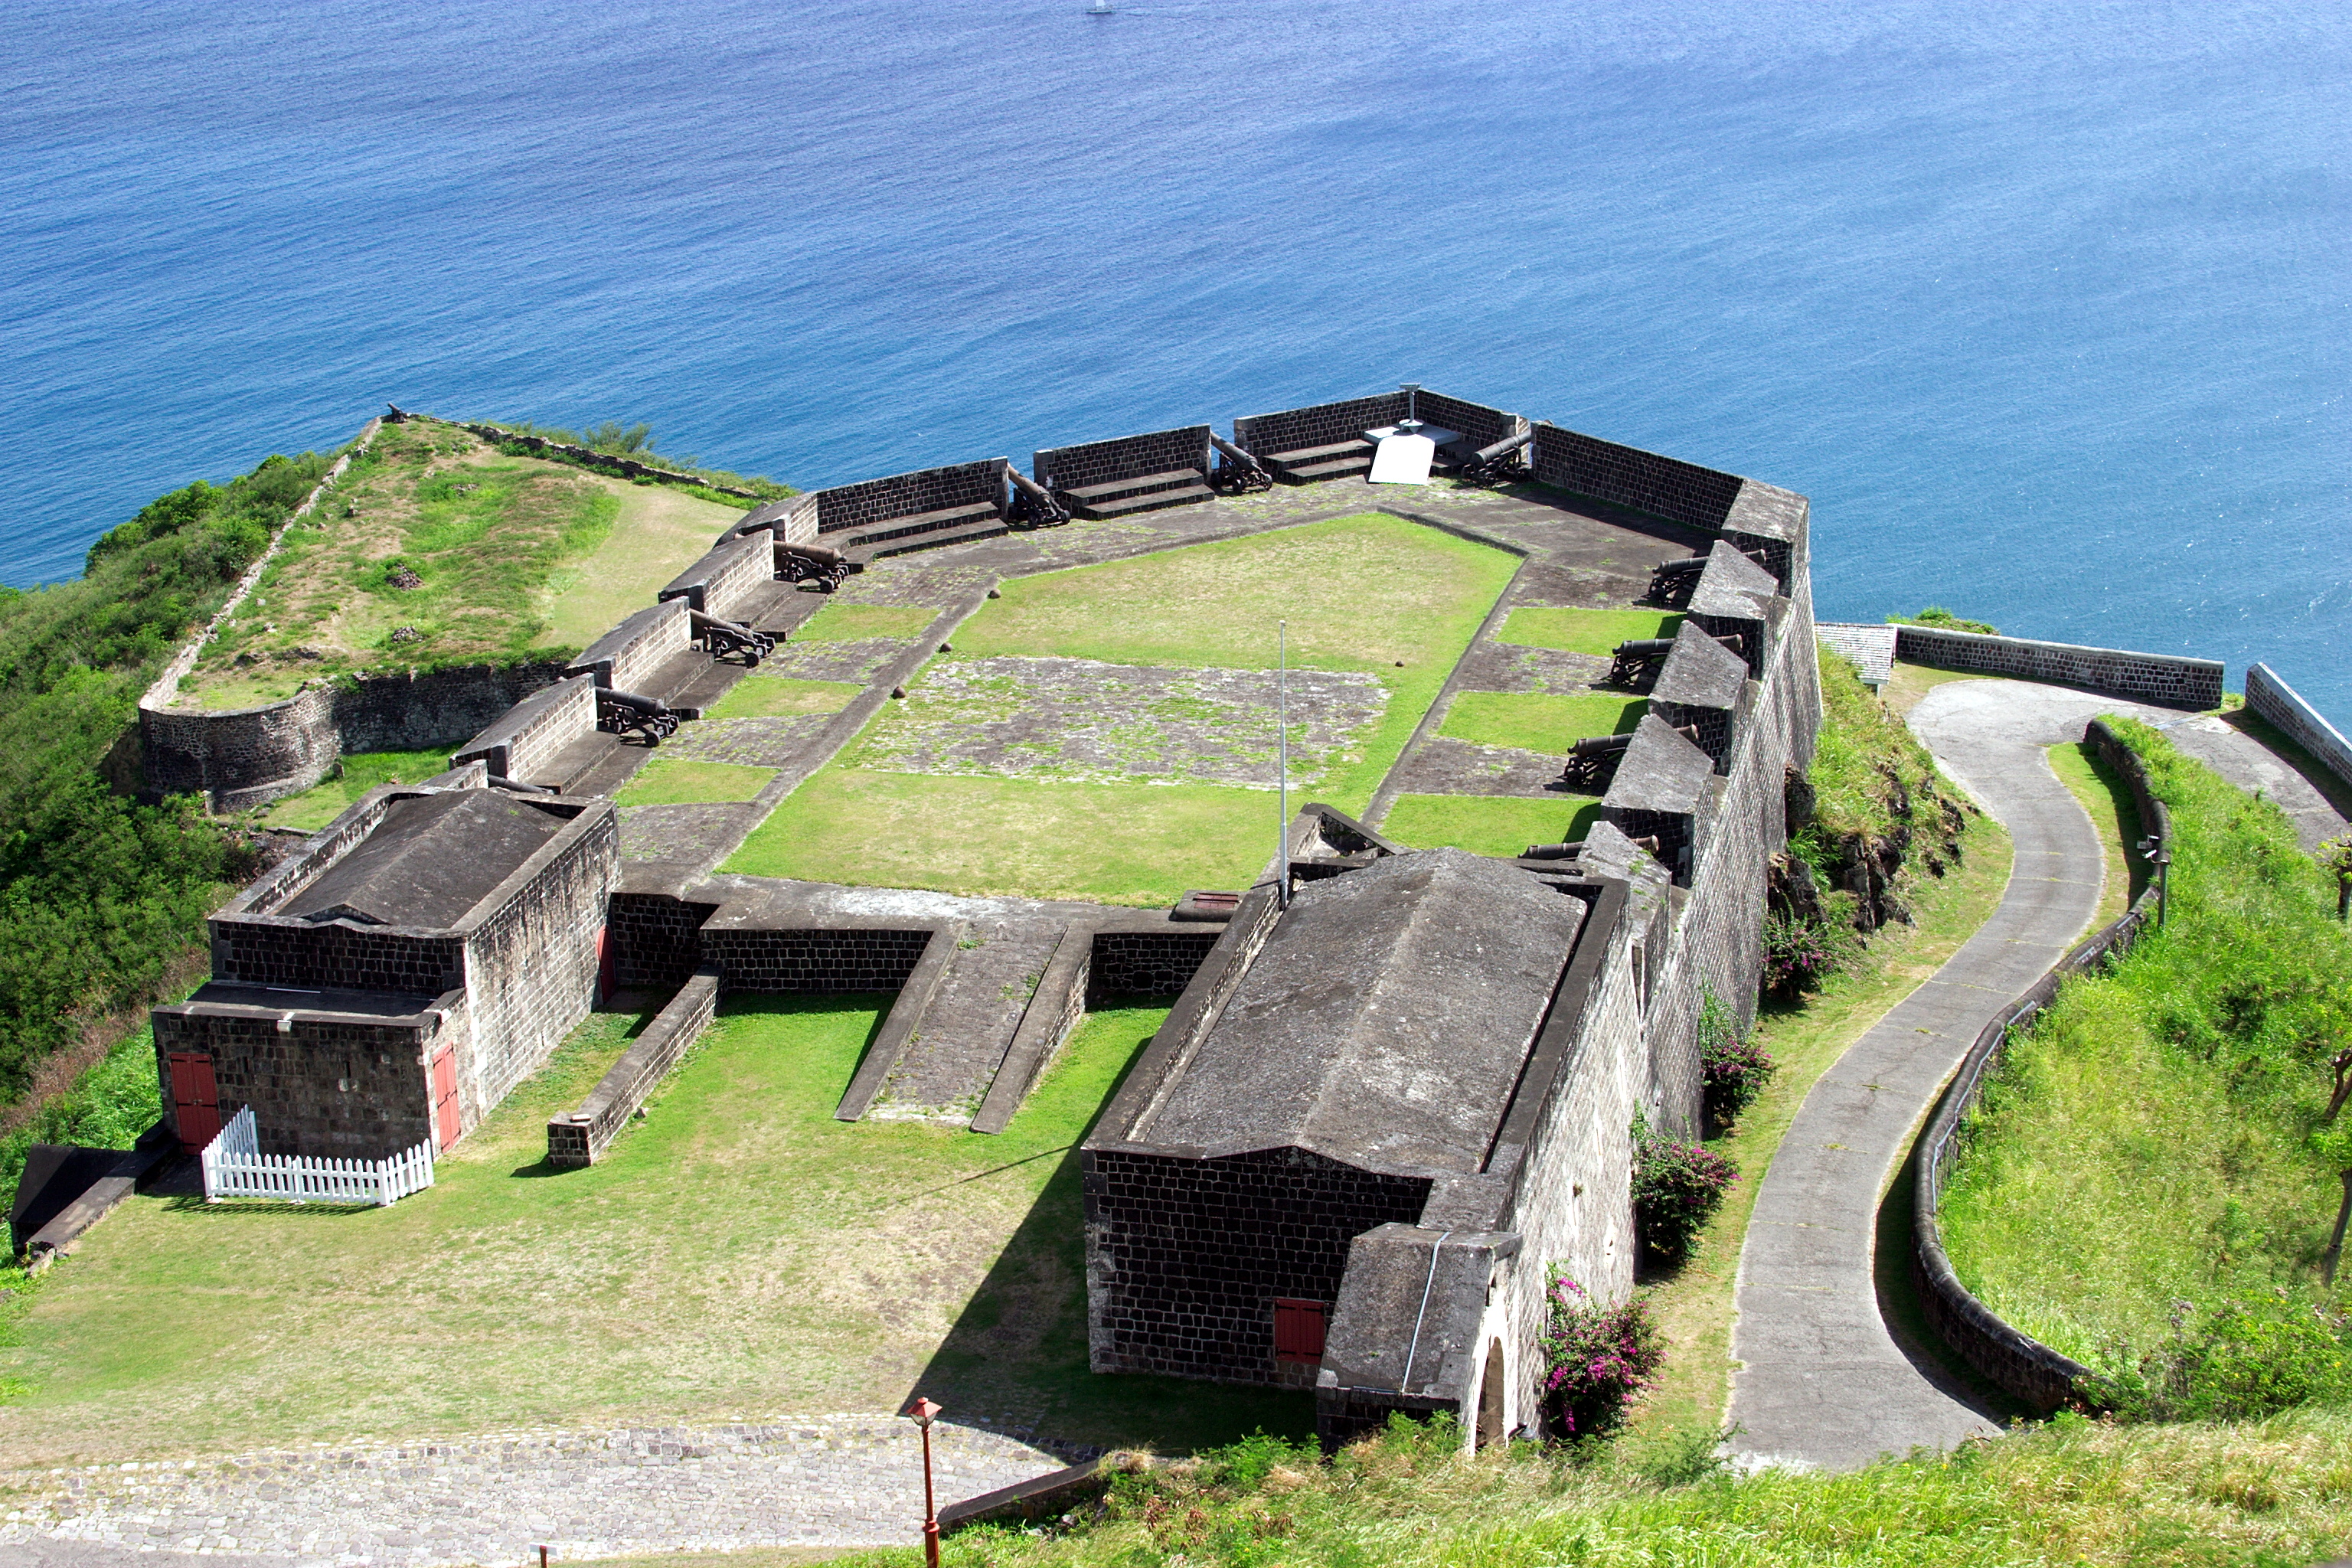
[739,1252]
[2142,1145]
[355,776]
[2105,796]
[1413,595]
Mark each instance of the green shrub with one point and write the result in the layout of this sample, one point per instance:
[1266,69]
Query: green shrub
[1732,1072]
[1678,1187]
[2239,1361]
[115,1100]
[1597,1358]
[1942,619]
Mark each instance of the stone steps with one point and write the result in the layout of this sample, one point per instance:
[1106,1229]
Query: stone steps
[988,527]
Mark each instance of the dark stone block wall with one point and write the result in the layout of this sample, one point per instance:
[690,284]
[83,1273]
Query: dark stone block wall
[839,959]
[1712,724]
[872,501]
[1127,457]
[337,956]
[576,1138]
[527,737]
[655,940]
[1628,477]
[735,570]
[1323,425]
[531,965]
[2155,678]
[2273,700]
[321,1086]
[637,647]
[1147,964]
[1185,1257]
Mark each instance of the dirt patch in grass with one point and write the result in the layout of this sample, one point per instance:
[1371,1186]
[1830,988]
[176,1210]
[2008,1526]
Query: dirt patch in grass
[1489,824]
[759,696]
[1538,722]
[1584,631]
[668,782]
[739,1253]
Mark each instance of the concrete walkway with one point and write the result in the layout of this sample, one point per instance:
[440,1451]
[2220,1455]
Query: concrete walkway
[1820,1380]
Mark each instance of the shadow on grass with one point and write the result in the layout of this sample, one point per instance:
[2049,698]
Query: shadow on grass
[2316,774]
[1016,1360]
[2127,822]
[1905,1319]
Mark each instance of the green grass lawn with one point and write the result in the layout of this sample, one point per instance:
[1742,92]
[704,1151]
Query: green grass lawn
[356,775]
[1412,596]
[665,781]
[2142,1143]
[1114,844]
[1584,631]
[758,696]
[1537,721]
[2105,796]
[840,622]
[1489,824]
[739,1253]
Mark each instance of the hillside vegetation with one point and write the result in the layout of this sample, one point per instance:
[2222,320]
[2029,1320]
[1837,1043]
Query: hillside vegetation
[2150,1182]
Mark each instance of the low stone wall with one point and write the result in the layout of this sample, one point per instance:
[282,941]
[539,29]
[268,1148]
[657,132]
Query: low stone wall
[2014,1362]
[848,957]
[872,503]
[1147,962]
[1629,476]
[639,647]
[602,462]
[524,740]
[736,570]
[1123,459]
[2282,705]
[2164,679]
[579,1138]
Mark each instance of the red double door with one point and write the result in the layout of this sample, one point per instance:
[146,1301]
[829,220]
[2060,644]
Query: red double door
[446,1124]
[195,1100]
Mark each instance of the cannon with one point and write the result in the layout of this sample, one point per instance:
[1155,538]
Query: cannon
[1236,473]
[1672,583]
[1593,763]
[1034,505]
[1504,463]
[723,637]
[1568,851]
[619,712]
[1640,660]
[811,563]
[517,787]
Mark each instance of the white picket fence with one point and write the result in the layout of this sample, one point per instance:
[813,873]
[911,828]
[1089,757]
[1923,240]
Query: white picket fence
[235,1167]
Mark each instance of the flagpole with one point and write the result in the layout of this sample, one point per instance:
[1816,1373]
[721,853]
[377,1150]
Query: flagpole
[1282,753]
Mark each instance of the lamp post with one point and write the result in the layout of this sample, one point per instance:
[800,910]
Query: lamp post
[922,1413]
[1282,764]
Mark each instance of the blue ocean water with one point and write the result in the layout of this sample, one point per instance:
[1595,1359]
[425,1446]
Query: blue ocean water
[2045,305]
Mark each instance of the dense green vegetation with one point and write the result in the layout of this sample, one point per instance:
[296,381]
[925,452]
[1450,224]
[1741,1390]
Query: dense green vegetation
[97,894]
[2073,1492]
[114,1099]
[614,439]
[2147,1185]
[1942,619]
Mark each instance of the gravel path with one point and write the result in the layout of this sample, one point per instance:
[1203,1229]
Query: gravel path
[1820,1380]
[841,1481]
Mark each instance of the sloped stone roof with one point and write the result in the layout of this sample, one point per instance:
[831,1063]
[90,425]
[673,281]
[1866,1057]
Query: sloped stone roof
[1385,1022]
[430,860]
[1732,585]
[1701,672]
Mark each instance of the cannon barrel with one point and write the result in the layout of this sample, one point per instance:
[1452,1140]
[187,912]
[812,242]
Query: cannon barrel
[1683,567]
[1599,745]
[702,623]
[1029,487]
[816,553]
[1733,641]
[637,702]
[1646,648]
[1568,851]
[516,786]
[1508,444]
[1233,452]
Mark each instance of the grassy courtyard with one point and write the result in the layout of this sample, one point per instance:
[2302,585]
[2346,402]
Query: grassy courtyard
[1056,751]
[739,1253]
[436,550]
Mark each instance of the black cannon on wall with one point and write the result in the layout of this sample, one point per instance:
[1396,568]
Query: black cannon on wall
[1503,463]
[1639,661]
[1236,473]
[724,638]
[1034,506]
[1672,583]
[620,712]
[1593,763]
[829,569]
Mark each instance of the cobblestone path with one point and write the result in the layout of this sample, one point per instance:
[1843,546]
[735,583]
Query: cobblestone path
[841,1481]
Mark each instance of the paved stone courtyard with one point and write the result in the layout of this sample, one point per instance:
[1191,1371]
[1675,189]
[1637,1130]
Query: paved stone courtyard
[842,1480]
[1079,719]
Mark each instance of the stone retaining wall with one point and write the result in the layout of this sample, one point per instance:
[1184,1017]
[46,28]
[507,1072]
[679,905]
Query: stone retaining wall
[2164,679]
[639,647]
[578,1138]
[2282,705]
[736,570]
[1629,476]
[1147,962]
[2014,1362]
[1122,459]
[851,957]
[525,739]
[589,458]
[872,503]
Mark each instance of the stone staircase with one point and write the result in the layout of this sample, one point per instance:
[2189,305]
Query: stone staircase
[1305,464]
[1145,492]
[923,531]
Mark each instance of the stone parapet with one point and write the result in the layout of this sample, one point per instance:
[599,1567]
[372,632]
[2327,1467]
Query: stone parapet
[2164,679]
[580,1137]
[736,570]
[639,647]
[2275,701]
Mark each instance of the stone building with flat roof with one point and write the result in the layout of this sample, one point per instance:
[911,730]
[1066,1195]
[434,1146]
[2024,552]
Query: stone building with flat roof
[392,982]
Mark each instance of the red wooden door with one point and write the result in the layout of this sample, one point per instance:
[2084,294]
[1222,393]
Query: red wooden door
[195,1100]
[603,966]
[1298,1329]
[445,1126]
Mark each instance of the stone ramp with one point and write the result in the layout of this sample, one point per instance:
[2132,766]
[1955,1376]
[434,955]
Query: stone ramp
[946,1070]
